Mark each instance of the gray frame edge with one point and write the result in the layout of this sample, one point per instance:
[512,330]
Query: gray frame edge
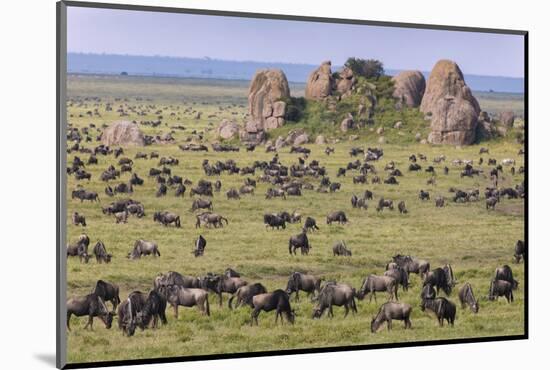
[61,187]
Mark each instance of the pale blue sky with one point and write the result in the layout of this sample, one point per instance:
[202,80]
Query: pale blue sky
[266,40]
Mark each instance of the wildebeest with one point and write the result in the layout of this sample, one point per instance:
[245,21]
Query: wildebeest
[402,207]
[188,297]
[245,294]
[466,297]
[441,278]
[304,282]
[108,292]
[271,193]
[501,288]
[210,219]
[233,194]
[277,300]
[399,274]
[368,194]
[144,248]
[415,167]
[382,203]
[392,311]
[335,294]
[374,283]
[440,202]
[443,309]
[161,191]
[85,195]
[412,264]
[423,195]
[274,221]
[222,284]
[391,181]
[78,219]
[505,273]
[519,251]
[121,217]
[80,249]
[136,180]
[91,305]
[166,218]
[299,241]
[337,216]
[100,253]
[427,292]
[200,245]
[340,249]
[154,308]
[136,209]
[310,224]
[361,179]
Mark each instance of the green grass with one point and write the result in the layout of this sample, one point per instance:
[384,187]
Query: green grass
[473,240]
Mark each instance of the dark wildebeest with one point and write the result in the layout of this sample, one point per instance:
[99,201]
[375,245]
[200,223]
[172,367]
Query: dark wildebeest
[274,221]
[368,195]
[361,179]
[154,308]
[136,180]
[505,273]
[501,288]
[374,283]
[334,294]
[423,195]
[202,204]
[382,203]
[175,278]
[78,219]
[310,224]
[399,274]
[440,202]
[441,278]
[166,218]
[428,292]
[161,191]
[210,219]
[100,253]
[229,272]
[443,309]
[80,249]
[466,297]
[245,294]
[91,305]
[144,248]
[392,311]
[233,194]
[200,245]
[108,292]
[299,241]
[85,195]
[491,202]
[136,209]
[340,249]
[277,300]
[519,251]
[304,282]
[412,264]
[402,207]
[337,216]
[180,190]
[222,284]
[188,297]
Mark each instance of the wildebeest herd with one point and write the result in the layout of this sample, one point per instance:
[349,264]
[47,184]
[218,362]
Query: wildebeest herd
[145,309]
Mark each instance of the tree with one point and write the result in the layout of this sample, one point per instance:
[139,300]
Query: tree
[368,68]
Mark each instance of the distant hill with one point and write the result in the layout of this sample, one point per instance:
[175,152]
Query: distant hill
[234,70]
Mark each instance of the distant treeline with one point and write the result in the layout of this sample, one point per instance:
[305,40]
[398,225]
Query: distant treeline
[235,70]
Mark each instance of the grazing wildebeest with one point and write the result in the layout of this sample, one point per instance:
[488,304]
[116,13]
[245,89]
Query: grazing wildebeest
[443,309]
[80,249]
[392,311]
[374,283]
[412,264]
[337,216]
[304,282]
[245,294]
[399,274]
[154,308]
[402,207]
[335,294]
[440,202]
[85,195]
[136,180]
[428,292]
[180,190]
[161,191]
[136,209]
[210,219]
[466,297]
[121,217]
[188,297]
[222,284]
[501,288]
[414,167]
[310,224]
[108,292]
[441,278]
[299,241]
[368,194]
[382,203]
[505,273]
[423,195]
[391,181]
[166,218]
[275,193]
[200,245]
[78,219]
[278,301]
[294,191]
[274,221]
[100,253]
[144,248]
[91,305]
[340,249]
[361,179]
[233,194]
[519,251]
[162,281]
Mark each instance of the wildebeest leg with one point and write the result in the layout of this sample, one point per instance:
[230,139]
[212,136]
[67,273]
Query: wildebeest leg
[389,324]
[220,298]
[407,323]
[297,298]
[90,322]
[254,316]
[176,311]
[347,310]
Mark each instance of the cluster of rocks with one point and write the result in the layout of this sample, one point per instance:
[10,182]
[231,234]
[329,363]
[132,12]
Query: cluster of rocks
[122,133]
[322,83]
[294,138]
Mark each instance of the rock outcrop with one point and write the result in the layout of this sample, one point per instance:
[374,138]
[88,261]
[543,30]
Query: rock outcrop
[449,103]
[267,89]
[227,130]
[409,87]
[320,82]
[507,118]
[123,133]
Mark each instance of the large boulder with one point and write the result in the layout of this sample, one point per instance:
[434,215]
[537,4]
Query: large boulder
[409,87]
[345,81]
[227,129]
[320,82]
[267,88]
[449,103]
[347,123]
[123,133]
[507,118]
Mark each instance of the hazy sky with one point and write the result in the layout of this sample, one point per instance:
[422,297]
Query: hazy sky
[183,35]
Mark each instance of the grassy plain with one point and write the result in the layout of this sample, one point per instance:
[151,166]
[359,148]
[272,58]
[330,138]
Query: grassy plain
[475,241]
